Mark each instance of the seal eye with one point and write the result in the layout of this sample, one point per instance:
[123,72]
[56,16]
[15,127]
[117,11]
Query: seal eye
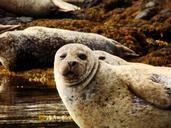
[102,58]
[63,55]
[82,56]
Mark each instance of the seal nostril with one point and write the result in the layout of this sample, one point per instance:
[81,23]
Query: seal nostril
[72,63]
[102,58]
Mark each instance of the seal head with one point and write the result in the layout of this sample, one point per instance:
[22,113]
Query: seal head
[74,63]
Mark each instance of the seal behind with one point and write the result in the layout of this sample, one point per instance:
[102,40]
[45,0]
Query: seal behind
[35,47]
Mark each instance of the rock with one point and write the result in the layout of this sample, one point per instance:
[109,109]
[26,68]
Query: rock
[146,14]
[90,3]
[15,20]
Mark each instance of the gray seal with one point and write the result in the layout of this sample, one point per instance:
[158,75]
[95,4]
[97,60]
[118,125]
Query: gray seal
[35,47]
[99,95]
[37,8]
[115,60]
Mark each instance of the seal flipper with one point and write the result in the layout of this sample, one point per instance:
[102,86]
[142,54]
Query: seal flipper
[156,89]
[4,28]
[64,6]
[123,51]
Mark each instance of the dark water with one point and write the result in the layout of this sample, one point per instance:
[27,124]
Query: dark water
[30,104]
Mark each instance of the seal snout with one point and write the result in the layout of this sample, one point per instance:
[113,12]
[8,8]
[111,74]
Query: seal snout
[72,63]
[70,69]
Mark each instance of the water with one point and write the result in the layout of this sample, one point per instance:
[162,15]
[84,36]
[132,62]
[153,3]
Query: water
[24,103]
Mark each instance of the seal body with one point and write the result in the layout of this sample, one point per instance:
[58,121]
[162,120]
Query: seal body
[36,46]
[109,96]
[36,8]
[115,60]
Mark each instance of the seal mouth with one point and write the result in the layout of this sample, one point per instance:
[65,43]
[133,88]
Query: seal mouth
[70,75]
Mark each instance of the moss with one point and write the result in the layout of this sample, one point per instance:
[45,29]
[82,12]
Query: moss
[79,25]
[40,77]
[158,58]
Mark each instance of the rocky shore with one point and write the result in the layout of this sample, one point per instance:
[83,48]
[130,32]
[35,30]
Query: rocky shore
[138,24]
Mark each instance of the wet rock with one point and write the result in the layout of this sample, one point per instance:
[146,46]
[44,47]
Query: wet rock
[150,4]
[112,4]
[146,14]
[2,13]
[24,19]
[90,3]
[15,20]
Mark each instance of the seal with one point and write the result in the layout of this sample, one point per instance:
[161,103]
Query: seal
[37,8]
[4,28]
[99,95]
[115,60]
[35,47]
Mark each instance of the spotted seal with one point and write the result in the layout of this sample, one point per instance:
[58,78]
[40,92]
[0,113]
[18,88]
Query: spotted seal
[99,95]
[36,46]
[37,8]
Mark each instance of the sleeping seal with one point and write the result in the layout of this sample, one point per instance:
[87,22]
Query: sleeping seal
[99,95]
[36,8]
[35,47]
